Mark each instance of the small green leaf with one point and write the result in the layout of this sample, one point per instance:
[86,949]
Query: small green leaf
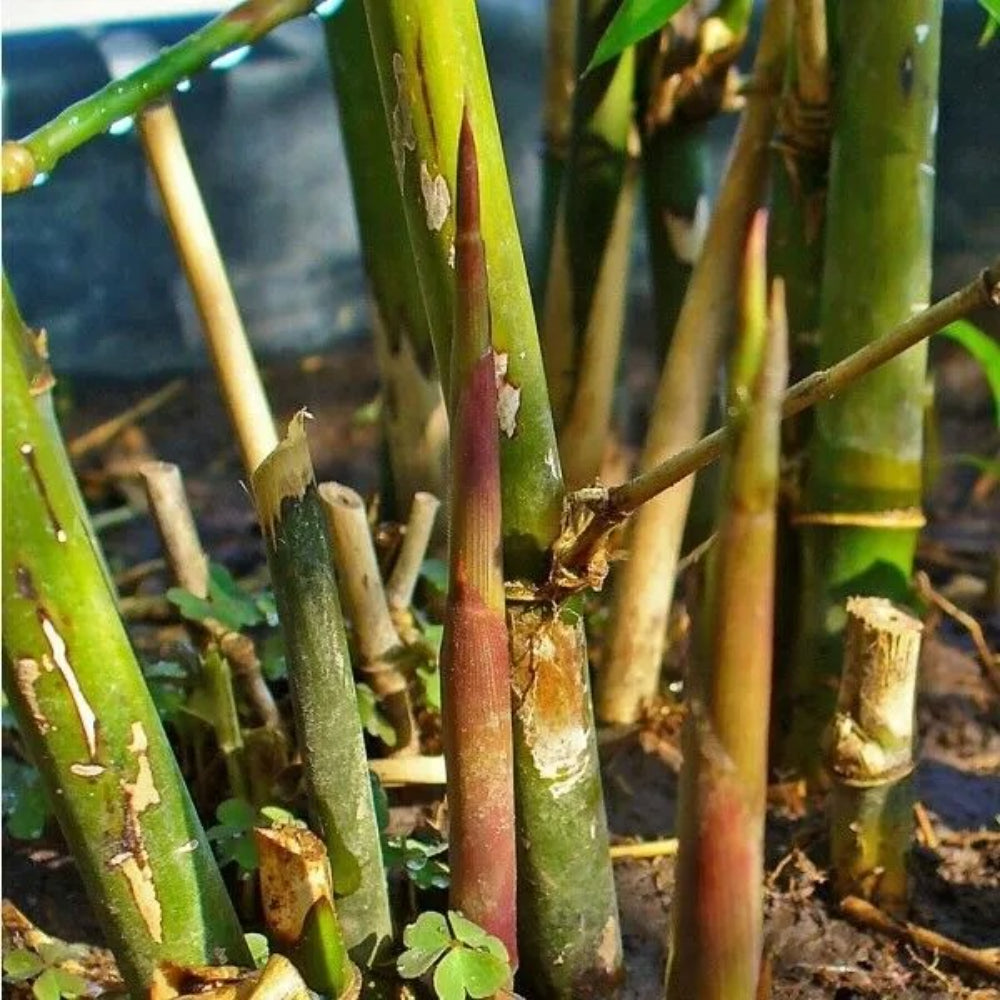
[69,983]
[46,986]
[236,813]
[992,7]
[25,806]
[276,816]
[634,20]
[427,933]
[231,599]
[483,973]
[414,962]
[474,936]
[381,802]
[22,964]
[983,348]
[243,850]
[272,657]
[435,572]
[430,677]
[989,31]
[260,949]
[987,466]
[193,608]
[449,977]
[372,718]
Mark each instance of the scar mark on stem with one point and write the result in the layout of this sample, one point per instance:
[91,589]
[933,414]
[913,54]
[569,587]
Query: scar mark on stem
[437,198]
[28,454]
[88,720]
[25,583]
[508,396]
[26,674]
[403,137]
[87,770]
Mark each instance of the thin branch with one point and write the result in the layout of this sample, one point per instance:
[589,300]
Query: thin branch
[191,228]
[982,292]
[25,159]
[104,432]
[859,912]
[645,849]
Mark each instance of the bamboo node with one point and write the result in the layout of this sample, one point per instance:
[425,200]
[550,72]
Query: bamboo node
[903,518]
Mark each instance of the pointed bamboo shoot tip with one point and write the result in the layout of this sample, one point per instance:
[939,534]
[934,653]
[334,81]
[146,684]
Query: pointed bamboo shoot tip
[285,474]
[467,219]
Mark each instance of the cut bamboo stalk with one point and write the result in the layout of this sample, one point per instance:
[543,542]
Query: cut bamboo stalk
[38,153]
[413,409]
[860,514]
[188,565]
[409,770]
[235,368]
[297,898]
[86,715]
[645,584]
[717,918]
[588,272]
[475,659]
[322,688]
[360,585]
[869,754]
[417,537]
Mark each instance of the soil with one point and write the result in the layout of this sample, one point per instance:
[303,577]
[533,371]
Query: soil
[812,953]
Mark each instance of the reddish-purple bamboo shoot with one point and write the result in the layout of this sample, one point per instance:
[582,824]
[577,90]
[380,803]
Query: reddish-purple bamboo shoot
[474,655]
[717,926]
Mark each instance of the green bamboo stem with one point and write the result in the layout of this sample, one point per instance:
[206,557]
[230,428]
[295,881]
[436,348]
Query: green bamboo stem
[33,347]
[682,82]
[557,122]
[645,583]
[85,713]
[297,898]
[869,754]
[431,69]
[322,685]
[431,65]
[801,166]
[588,270]
[235,368]
[26,159]
[475,659]
[861,508]
[413,411]
[718,904]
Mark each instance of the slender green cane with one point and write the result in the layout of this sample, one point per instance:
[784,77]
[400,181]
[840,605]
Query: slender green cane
[431,68]
[431,65]
[718,904]
[588,269]
[645,583]
[326,712]
[26,159]
[861,511]
[413,413]
[85,713]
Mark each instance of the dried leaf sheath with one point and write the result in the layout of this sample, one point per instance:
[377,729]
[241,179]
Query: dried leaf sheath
[85,713]
[322,685]
[474,656]
[717,921]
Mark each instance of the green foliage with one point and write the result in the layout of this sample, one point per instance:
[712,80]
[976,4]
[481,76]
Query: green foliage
[634,20]
[983,348]
[273,663]
[227,602]
[418,860]
[374,722]
[50,981]
[232,835]
[434,572]
[25,807]
[260,949]
[987,466]
[466,960]
[169,684]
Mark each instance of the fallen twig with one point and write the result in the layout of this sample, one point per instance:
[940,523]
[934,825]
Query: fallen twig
[104,432]
[422,770]
[984,961]
[644,849]
[927,834]
[989,661]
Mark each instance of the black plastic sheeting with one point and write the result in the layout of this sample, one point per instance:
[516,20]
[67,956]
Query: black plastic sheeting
[90,258]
